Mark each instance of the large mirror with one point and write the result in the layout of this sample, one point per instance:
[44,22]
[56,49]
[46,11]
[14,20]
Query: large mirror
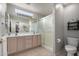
[20,24]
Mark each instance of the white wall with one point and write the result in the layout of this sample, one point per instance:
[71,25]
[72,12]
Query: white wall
[2,19]
[59,27]
[71,13]
[2,26]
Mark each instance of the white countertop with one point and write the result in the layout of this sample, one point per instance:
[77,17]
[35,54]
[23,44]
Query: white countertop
[19,34]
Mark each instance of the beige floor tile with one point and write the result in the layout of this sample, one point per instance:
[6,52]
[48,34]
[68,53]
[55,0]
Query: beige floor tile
[39,51]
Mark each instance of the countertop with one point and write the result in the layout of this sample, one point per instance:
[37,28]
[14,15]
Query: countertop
[20,34]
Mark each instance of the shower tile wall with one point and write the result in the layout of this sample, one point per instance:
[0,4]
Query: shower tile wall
[46,28]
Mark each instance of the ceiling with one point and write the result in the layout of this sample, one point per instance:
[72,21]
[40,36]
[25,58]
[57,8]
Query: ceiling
[39,8]
[43,8]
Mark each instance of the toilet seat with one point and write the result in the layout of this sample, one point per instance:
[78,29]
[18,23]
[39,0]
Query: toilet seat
[70,48]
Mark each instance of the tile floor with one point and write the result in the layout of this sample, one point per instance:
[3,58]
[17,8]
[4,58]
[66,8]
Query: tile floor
[40,51]
[62,52]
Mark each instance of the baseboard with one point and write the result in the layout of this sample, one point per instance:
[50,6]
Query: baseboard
[48,48]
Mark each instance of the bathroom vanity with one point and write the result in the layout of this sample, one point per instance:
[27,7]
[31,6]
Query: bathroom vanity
[19,33]
[15,44]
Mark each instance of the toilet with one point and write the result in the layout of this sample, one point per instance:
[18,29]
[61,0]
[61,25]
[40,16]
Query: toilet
[71,47]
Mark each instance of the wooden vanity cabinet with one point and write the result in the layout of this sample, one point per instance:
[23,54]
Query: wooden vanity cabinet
[39,40]
[28,42]
[35,41]
[11,45]
[20,43]
[24,43]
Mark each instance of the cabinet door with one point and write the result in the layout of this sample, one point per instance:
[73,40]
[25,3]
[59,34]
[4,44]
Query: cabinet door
[35,43]
[28,42]
[39,40]
[11,45]
[20,43]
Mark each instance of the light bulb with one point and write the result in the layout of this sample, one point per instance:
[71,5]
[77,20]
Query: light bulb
[59,6]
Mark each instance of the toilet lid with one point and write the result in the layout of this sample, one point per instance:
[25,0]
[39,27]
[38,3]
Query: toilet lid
[69,47]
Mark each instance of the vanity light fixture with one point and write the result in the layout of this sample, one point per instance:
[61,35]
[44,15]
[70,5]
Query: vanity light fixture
[18,11]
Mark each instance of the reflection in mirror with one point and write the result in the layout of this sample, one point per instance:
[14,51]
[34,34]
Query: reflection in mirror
[21,24]
[17,27]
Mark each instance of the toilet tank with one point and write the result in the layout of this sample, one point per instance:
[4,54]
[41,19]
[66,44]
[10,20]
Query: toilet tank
[72,41]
